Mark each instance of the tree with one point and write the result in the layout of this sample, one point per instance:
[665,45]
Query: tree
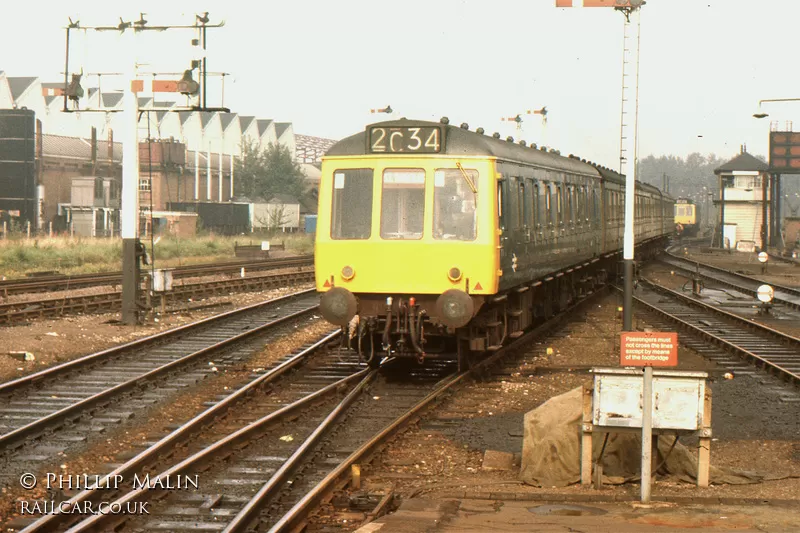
[263,173]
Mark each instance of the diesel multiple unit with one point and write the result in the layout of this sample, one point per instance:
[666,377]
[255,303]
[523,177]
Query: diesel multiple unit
[433,239]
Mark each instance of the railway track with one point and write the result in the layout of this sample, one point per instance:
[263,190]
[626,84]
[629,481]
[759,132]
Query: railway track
[718,335]
[277,477]
[46,413]
[788,296]
[20,312]
[58,282]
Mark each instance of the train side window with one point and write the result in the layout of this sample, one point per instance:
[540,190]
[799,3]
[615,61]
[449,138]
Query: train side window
[535,206]
[569,207]
[351,210]
[454,212]
[559,206]
[403,203]
[522,201]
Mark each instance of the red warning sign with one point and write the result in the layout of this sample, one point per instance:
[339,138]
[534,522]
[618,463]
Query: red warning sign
[648,348]
[327,283]
[478,286]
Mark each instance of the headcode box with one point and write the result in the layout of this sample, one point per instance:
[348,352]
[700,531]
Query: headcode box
[648,348]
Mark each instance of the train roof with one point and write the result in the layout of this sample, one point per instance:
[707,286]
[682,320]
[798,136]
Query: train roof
[459,140]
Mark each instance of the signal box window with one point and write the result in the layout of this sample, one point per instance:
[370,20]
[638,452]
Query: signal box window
[351,213]
[403,203]
[454,213]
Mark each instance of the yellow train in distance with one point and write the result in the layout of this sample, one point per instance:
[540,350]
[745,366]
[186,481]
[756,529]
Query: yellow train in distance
[687,218]
[433,240]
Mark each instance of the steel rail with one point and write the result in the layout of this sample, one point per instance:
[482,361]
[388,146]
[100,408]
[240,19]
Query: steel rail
[56,282]
[758,360]
[72,409]
[168,442]
[277,481]
[251,510]
[753,282]
[290,521]
[141,343]
[110,301]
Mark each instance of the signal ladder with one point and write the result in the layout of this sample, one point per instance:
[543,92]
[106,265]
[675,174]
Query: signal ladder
[629,98]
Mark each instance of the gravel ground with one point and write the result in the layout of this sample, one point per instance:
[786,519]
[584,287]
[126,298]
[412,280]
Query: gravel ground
[752,430]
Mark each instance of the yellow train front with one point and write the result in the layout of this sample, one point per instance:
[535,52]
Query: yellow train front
[434,240]
[687,218]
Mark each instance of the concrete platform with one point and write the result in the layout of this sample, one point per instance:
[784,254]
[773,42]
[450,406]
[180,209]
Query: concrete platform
[472,515]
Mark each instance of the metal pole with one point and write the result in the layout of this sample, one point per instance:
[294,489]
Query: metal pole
[232,157]
[647,432]
[66,73]
[130,188]
[630,180]
[721,212]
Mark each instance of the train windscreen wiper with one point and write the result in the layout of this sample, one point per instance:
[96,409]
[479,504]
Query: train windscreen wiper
[467,178]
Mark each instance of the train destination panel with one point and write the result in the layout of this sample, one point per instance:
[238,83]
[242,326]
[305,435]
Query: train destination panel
[406,139]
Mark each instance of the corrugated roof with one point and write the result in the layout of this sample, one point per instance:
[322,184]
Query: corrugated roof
[281,127]
[743,162]
[263,124]
[77,148]
[19,85]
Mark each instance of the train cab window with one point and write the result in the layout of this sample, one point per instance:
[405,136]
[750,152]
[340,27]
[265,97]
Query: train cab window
[402,203]
[351,212]
[454,213]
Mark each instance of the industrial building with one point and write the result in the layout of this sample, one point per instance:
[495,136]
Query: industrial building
[185,157]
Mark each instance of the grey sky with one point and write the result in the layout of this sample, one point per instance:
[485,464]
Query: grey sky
[322,65]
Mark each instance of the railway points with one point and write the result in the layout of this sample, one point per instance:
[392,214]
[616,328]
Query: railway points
[47,412]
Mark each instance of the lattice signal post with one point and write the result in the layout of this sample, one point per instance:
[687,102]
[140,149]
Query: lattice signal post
[132,248]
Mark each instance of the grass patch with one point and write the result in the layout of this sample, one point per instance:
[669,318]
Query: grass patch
[83,255]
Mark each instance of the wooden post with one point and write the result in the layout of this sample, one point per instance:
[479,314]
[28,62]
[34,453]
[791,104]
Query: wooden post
[355,479]
[586,437]
[704,446]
